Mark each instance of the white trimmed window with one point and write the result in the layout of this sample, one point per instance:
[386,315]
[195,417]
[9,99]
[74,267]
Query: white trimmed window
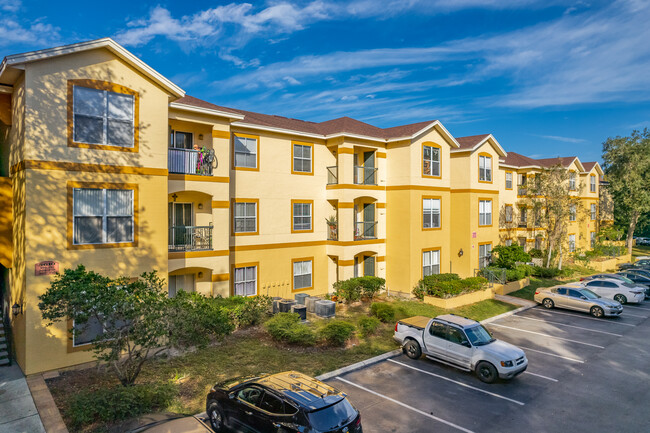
[245,152]
[572,213]
[508,212]
[485,212]
[431,213]
[592,184]
[430,262]
[302,274]
[102,216]
[302,158]
[245,217]
[593,211]
[572,243]
[103,117]
[484,252]
[572,180]
[508,180]
[245,281]
[592,238]
[431,161]
[485,168]
[301,216]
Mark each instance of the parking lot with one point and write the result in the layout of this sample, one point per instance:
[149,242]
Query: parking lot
[584,375]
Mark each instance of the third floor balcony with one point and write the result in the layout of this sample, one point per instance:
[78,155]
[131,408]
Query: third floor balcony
[365,175]
[190,161]
[365,230]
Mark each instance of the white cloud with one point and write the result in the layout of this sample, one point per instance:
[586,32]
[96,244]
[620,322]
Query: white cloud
[38,33]
[10,5]
[563,139]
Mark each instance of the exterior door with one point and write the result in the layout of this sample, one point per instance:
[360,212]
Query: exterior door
[369,266]
[435,340]
[180,217]
[458,354]
[369,168]
[369,226]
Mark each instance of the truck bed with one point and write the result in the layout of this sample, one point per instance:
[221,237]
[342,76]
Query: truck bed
[419,322]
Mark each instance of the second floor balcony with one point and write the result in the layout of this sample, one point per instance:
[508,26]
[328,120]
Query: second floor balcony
[332,175]
[522,190]
[365,230]
[190,161]
[365,175]
[190,238]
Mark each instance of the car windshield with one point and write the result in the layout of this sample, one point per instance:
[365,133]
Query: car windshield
[589,294]
[631,285]
[333,416]
[625,279]
[478,335]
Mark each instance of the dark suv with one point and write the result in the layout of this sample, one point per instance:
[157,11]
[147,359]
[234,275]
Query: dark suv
[281,403]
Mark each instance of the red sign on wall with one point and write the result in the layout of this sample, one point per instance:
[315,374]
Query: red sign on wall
[48,267]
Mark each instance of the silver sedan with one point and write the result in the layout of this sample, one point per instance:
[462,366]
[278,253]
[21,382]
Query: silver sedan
[573,296]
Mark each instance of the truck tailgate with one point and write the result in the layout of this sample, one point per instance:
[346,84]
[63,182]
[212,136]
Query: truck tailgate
[419,322]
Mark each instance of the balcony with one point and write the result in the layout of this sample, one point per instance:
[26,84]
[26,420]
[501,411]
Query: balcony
[332,232]
[190,238]
[365,230]
[190,161]
[522,190]
[365,175]
[523,224]
[332,175]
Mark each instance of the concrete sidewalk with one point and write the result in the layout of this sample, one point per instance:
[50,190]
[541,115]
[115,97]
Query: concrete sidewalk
[18,412]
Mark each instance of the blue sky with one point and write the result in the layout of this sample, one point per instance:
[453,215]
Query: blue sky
[546,77]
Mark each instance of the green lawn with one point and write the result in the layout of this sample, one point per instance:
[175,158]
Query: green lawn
[529,291]
[252,352]
[641,250]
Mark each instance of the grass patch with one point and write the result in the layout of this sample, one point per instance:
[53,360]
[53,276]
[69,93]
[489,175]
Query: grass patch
[528,292]
[641,250]
[478,311]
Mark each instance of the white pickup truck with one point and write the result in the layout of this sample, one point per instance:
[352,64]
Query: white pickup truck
[462,343]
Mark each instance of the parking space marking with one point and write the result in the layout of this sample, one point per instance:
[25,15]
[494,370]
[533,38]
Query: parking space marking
[581,317]
[457,383]
[405,405]
[539,375]
[569,326]
[553,354]
[635,307]
[547,335]
[632,315]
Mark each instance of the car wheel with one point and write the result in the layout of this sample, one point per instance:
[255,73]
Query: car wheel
[597,312]
[412,349]
[216,417]
[486,372]
[548,303]
[620,298]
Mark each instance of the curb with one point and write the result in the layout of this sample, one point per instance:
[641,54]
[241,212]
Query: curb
[507,314]
[361,364]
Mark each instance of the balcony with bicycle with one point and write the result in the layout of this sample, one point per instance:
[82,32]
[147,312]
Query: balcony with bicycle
[190,238]
[190,161]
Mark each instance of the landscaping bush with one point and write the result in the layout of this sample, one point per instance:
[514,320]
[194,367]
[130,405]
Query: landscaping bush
[113,404]
[286,327]
[249,311]
[370,286]
[539,271]
[368,325]
[505,257]
[337,332]
[353,289]
[430,281]
[515,274]
[448,286]
[384,312]
[536,254]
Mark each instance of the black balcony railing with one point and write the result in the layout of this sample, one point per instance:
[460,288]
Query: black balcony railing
[332,175]
[190,238]
[190,161]
[365,230]
[523,224]
[365,175]
[522,190]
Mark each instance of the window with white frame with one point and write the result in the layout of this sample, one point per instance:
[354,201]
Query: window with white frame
[245,152]
[523,179]
[484,253]
[301,216]
[302,274]
[430,262]
[245,217]
[102,216]
[572,243]
[572,180]
[593,211]
[592,239]
[484,168]
[508,180]
[485,212]
[572,213]
[245,281]
[431,161]
[592,183]
[430,213]
[302,158]
[103,117]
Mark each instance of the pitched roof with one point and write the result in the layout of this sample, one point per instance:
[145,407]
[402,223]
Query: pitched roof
[589,165]
[470,141]
[519,160]
[564,161]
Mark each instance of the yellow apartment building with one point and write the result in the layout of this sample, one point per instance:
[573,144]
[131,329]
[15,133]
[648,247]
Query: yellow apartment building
[105,162]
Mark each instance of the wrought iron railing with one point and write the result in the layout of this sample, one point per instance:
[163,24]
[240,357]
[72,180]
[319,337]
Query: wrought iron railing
[522,190]
[365,175]
[332,175]
[7,335]
[493,275]
[365,230]
[332,232]
[190,161]
[523,224]
[190,238]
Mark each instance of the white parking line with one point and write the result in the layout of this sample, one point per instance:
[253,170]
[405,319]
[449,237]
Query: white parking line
[456,382]
[569,326]
[632,315]
[405,405]
[552,354]
[549,336]
[551,312]
[635,307]
[539,375]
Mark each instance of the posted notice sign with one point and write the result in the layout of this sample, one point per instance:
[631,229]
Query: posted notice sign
[48,267]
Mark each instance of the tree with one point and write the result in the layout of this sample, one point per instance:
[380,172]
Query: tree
[138,320]
[553,201]
[627,169]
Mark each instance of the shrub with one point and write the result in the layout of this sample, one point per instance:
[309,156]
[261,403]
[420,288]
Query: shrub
[286,327]
[425,284]
[113,404]
[507,256]
[368,325]
[337,332]
[539,271]
[515,274]
[353,289]
[536,254]
[448,287]
[384,312]
[250,311]
[370,286]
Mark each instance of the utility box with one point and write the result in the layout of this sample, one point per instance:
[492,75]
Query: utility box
[275,305]
[285,305]
[325,308]
[301,310]
[310,302]
[300,298]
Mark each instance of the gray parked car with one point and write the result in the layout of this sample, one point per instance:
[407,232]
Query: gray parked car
[574,296]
